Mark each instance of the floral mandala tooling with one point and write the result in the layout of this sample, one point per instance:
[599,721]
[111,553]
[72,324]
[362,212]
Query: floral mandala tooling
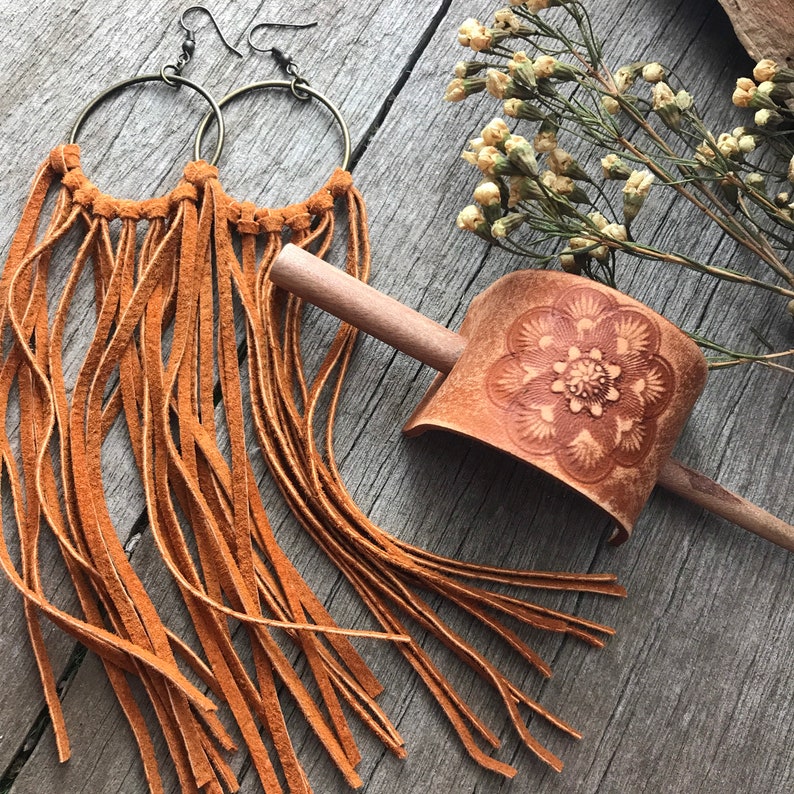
[583,382]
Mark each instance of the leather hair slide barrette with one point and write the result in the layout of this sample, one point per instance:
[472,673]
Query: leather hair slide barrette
[571,376]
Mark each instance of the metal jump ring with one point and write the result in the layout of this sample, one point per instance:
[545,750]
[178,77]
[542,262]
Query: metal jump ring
[149,78]
[297,86]
[286,84]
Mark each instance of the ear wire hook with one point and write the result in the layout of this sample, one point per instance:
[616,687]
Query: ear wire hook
[191,31]
[282,59]
[274,25]
[189,43]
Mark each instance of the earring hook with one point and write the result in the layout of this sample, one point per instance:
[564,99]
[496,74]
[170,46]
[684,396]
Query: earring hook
[189,45]
[282,59]
[191,32]
[260,25]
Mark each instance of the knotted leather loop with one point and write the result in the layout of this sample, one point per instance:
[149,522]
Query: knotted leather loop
[155,208]
[184,192]
[247,223]
[270,221]
[199,171]
[300,221]
[65,157]
[105,206]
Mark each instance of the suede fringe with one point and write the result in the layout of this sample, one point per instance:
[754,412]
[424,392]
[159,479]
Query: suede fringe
[174,278]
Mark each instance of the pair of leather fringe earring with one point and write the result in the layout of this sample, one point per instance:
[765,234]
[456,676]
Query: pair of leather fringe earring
[173,280]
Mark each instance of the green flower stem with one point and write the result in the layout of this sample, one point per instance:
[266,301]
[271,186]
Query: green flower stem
[727,223]
[643,251]
[739,357]
[724,363]
[739,234]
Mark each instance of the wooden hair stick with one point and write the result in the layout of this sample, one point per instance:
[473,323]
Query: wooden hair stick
[571,376]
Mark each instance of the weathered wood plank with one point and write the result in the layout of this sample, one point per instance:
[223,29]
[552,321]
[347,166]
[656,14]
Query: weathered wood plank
[698,673]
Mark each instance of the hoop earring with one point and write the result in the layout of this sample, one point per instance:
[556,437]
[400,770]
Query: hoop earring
[296,439]
[243,279]
[54,464]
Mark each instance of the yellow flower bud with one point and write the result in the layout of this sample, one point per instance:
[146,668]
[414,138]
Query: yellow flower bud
[765,69]
[745,88]
[517,60]
[600,252]
[653,72]
[598,219]
[544,66]
[563,164]
[611,105]
[469,29]
[568,262]
[548,178]
[559,160]
[614,168]
[505,19]
[487,157]
[727,145]
[495,132]
[487,194]
[639,182]
[468,68]
[756,181]
[564,185]
[767,118]
[746,144]
[617,231]
[684,100]
[455,91]
[472,33]
[523,188]
[545,142]
[505,226]
[624,79]
[635,191]
[521,155]
[705,152]
[460,88]
[521,109]
[662,95]
[665,105]
[469,218]
[496,82]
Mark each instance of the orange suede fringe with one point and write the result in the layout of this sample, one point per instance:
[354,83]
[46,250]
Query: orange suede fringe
[176,279]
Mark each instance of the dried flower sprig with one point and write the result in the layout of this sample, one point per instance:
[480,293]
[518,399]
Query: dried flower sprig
[549,70]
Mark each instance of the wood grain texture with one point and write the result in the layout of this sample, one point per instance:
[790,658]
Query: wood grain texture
[694,693]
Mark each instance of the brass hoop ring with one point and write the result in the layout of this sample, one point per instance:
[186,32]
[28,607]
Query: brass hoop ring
[290,85]
[170,80]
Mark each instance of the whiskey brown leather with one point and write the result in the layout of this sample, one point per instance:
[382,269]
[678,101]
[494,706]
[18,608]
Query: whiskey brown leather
[575,378]
[169,267]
